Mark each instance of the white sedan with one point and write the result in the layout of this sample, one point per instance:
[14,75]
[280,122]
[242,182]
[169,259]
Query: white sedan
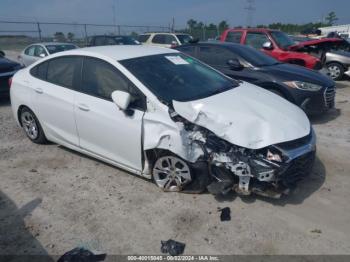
[37,51]
[165,116]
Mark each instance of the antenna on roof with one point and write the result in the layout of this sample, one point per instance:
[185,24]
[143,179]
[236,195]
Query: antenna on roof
[250,11]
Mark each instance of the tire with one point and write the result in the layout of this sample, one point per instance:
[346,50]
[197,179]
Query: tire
[31,126]
[336,70]
[171,173]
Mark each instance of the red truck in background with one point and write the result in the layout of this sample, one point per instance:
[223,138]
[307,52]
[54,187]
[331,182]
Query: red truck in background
[279,45]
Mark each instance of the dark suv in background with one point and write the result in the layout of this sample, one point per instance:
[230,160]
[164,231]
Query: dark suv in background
[7,69]
[312,91]
[101,40]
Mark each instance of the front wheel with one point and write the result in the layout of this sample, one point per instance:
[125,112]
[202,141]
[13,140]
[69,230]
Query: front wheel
[171,173]
[336,71]
[32,127]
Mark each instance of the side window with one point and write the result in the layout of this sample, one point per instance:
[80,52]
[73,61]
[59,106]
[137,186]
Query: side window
[143,38]
[101,79]
[169,39]
[234,37]
[190,50]
[39,50]
[256,40]
[30,50]
[158,39]
[40,71]
[100,40]
[215,56]
[61,71]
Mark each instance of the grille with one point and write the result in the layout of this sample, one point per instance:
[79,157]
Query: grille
[298,169]
[329,96]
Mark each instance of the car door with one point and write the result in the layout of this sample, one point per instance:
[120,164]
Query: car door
[218,57]
[54,83]
[257,39]
[27,57]
[39,52]
[103,128]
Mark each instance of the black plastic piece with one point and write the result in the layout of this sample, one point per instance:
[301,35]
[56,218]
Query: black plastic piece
[172,247]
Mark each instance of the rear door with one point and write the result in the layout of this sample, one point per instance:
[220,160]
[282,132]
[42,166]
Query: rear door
[54,83]
[103,128]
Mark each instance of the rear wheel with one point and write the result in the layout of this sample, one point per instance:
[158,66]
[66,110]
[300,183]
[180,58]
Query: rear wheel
[32,127]
[171,173]
[336,71]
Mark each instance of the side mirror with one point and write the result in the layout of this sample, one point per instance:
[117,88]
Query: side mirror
[267,45]
[121,99]
[234,64]
[42,55]
[174,43]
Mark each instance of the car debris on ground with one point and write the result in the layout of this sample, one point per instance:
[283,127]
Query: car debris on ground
[172,247]
[225,213]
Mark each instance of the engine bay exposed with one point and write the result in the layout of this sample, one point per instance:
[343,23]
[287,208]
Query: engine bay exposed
[236,168]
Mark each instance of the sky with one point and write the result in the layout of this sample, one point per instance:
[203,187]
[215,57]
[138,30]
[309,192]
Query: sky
[161,12]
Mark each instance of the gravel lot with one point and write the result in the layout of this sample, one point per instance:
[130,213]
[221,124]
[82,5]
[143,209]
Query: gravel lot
[53,199]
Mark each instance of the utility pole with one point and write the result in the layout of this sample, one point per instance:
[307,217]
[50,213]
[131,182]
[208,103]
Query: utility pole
[114,17]
[173,25]
[250,12]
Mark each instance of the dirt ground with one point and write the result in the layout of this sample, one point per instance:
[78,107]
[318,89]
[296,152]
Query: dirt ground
[53,199]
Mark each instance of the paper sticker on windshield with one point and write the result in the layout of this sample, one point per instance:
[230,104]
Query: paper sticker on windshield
[177,60]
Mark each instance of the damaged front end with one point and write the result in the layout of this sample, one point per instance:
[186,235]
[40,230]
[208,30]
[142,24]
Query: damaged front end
[270,171]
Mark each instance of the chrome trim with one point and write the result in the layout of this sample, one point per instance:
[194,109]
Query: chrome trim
[302,150]
[329,96]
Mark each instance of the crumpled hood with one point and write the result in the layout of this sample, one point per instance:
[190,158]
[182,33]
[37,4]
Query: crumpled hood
[317,42]
[247,116]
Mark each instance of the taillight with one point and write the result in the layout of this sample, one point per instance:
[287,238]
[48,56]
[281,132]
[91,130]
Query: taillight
[10,82]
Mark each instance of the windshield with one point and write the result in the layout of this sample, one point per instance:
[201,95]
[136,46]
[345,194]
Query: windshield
[255,57]
[59,48]
[177,77]
[282,40]
[184,39]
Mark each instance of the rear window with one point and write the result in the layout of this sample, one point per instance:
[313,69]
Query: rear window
[143,38]
[234,37]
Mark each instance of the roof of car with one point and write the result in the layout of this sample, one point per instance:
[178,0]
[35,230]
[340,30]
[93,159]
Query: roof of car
[121,52]
[253,29]
[53,43]
[164,33]
[213,43]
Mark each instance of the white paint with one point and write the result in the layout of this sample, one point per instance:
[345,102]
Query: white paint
[247,116]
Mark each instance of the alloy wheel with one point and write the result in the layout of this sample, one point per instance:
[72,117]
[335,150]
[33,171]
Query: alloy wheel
[29,125]
[171,173]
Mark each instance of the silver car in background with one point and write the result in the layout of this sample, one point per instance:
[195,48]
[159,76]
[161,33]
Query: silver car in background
[37,51]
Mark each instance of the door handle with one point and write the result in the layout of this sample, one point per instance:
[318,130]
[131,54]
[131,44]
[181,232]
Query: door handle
[38,90]
[83,107]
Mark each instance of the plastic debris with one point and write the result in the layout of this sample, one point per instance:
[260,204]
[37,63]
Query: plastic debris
[225,214]
[81,255]
[172,247]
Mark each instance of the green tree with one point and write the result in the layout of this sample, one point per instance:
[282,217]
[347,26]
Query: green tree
[223,25]
[331,18]
[70,36]
[191,24]
[59,37]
